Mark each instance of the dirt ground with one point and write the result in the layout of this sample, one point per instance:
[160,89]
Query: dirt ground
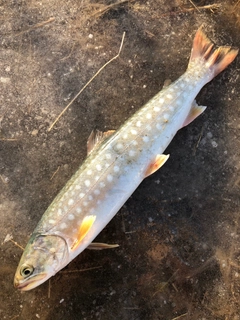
[179,232]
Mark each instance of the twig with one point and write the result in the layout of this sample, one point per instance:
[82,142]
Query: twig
[49,288]
[178,317]
[166,283]
[107,8]
[81,270]
[6,139]
[236,4]
[207,7]
[55,173]
[199,139]
[15,317]
[84,87]
[194,5]
[38,25]
[16,244]
[9,237]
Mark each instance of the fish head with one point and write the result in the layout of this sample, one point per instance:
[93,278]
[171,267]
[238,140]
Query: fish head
[43,256]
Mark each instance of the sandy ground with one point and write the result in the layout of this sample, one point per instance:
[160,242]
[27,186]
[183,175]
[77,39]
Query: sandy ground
[179,232]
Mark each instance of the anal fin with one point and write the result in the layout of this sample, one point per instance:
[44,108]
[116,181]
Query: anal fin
[195,111]
[157,163]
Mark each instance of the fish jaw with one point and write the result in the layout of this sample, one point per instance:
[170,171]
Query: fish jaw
[43,256]
[31,283]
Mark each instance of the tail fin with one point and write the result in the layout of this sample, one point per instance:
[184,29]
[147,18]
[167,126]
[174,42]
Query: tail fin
[216,60]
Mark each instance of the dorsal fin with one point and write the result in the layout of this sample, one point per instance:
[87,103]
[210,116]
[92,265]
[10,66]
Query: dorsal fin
[96,137]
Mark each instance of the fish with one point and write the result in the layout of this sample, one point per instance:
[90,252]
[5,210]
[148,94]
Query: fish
[117,162]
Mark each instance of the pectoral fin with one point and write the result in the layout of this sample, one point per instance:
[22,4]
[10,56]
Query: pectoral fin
[157,163]
[195,111]
[101,246]
[83,230]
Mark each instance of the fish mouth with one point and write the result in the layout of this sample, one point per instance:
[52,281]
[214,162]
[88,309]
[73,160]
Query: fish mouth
[30,283]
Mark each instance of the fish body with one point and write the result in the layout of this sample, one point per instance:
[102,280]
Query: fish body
[116,164]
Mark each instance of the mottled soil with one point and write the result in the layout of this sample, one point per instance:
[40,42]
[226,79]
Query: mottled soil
[179,232]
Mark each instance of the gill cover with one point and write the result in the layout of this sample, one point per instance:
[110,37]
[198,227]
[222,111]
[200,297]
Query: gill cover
[43,256]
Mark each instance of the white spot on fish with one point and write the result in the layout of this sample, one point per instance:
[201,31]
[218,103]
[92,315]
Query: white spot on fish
[89,172]
[102,184]
[161,100]
[148,127]
[166,117]
[116,168]
[51,221]
[145,139]
[131,153]
[90,198]
[135,143]
[125,136]
[85,203]
[157,109]
[119,146]
[96,192]
[96,178]
[108,156]
[159,126]
[79,210]
[98,167]
[182,85]
[87,183]
[134,132]
[63,225]
[71,217]
[149,116]
[109,178]
[169,96]
[59,212]
[78,187]
[138,124]
[82,195]
[70,202]
[171,108]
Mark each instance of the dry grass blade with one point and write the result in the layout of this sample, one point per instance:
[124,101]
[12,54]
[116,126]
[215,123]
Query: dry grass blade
[105,9]
[38,25]
[194,5]
[81,270]
[87,84]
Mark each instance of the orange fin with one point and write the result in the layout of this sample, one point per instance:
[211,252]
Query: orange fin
[83,230]
[195,111]
[96,137]
[101,246]
[216,60]
[157,163]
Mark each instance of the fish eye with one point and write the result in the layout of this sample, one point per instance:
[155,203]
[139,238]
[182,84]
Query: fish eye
[26,271]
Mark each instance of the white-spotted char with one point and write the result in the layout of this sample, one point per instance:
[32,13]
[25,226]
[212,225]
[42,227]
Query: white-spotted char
[117,163]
